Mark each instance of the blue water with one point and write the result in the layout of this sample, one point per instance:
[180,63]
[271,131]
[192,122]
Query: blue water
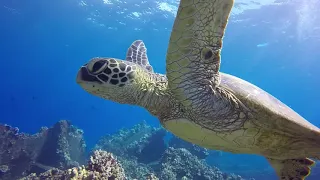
[43,44]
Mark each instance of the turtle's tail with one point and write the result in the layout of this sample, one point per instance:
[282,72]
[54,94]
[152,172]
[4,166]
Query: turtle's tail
[297,169]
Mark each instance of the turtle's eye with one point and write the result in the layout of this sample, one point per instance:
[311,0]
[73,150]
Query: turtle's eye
[98,67]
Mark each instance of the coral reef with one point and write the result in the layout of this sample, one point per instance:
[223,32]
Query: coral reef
[181,160]
[61,146]
[134,169]
[136,148]
[151,177]
[142,153]
[200,152]
[101,166]
[181,164]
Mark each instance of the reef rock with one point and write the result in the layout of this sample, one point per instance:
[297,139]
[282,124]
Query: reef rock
[101,166]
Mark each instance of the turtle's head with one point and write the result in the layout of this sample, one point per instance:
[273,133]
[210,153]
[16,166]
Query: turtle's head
[113,79]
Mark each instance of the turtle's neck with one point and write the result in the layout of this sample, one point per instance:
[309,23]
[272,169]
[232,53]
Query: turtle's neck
[155,97]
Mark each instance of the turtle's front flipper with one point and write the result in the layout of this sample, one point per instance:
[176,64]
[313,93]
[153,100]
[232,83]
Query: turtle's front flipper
[193,56]
[292,169]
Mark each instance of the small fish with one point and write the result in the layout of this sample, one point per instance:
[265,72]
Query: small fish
[4,168]
[42,166]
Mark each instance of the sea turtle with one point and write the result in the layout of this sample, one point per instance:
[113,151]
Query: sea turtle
[201,105]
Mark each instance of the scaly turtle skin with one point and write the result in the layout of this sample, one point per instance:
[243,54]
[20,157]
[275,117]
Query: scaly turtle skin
[202,105]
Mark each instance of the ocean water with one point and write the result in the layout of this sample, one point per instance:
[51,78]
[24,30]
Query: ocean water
[273,44]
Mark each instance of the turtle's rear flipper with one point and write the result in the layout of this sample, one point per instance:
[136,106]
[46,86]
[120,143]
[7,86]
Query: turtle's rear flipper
[292,169]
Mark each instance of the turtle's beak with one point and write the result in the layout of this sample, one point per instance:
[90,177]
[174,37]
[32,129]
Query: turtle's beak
[79,78]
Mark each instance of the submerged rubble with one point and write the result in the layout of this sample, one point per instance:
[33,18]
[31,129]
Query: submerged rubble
[101,166]
[61,146]
[18,151]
